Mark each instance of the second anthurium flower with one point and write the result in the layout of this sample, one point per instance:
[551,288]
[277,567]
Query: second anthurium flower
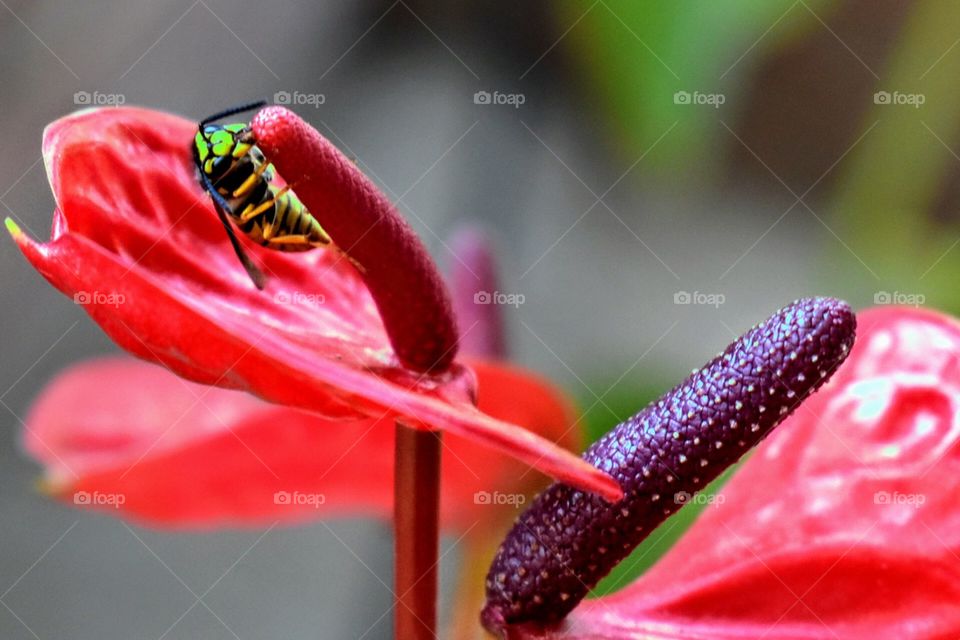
[842,524]
[568,540]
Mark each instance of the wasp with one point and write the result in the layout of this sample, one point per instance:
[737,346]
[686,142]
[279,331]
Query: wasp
[240,181]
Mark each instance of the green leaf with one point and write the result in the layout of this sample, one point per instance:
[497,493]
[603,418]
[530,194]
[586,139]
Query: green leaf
[895,175]
[637,54]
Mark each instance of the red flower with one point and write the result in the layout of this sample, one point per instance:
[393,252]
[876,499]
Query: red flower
[180,454]
[136,241]
[843,524]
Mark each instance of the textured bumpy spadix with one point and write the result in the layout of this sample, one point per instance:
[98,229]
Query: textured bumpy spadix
[568,540]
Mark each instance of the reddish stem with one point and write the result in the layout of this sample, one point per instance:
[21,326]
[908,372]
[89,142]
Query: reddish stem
[402,278]
[416,509]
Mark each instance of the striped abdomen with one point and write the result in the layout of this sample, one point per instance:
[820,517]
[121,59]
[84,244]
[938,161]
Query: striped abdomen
[283,222]
[287,216]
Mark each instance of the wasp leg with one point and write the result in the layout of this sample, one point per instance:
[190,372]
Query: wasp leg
[249,183]
[267,231]
[263,206]
[222,206]
[293,240]
[343,254]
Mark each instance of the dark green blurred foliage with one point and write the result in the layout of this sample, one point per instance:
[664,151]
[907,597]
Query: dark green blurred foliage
[638,53]
[889,199]
[898,199]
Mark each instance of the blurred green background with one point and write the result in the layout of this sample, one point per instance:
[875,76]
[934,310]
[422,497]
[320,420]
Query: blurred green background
[674,173]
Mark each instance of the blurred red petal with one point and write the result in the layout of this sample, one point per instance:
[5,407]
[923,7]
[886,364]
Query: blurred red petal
[844,524]
[469,474]
[136,240]
[186,455]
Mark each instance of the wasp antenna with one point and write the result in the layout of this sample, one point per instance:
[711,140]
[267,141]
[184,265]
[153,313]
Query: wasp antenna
[250,106]
[221,205]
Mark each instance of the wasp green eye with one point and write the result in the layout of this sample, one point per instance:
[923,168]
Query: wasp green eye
[203,150]
[221,142]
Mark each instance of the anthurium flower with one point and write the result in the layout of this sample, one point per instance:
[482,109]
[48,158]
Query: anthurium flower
[843,524]
[568,540]
[168,452]
[137,242]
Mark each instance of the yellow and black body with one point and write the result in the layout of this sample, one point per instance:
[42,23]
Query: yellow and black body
[239,180]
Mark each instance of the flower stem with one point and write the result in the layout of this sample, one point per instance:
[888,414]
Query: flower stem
[417,525]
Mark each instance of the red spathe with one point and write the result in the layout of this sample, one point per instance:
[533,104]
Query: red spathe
[137,241]
[844,524]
